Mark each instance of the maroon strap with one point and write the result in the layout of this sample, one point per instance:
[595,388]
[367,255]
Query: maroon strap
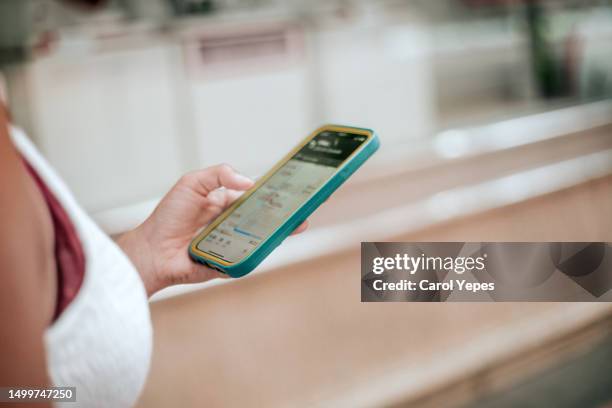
[69,254]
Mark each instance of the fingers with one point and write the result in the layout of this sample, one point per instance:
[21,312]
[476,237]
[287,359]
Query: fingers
[301,228]
[223,198]
[197,273]
[207,180]
[202,273]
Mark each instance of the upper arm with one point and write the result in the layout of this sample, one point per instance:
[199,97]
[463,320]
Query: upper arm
[24,291]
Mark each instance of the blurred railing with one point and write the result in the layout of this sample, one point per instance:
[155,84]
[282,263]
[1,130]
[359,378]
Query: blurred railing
[452,159]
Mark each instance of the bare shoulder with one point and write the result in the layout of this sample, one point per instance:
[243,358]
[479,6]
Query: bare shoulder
[26,236]
[27,293]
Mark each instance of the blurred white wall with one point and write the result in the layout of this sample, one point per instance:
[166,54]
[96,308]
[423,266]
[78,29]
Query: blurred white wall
[122,108]
[142,109]
[107,123]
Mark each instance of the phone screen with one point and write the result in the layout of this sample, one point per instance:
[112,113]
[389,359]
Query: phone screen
[257,217]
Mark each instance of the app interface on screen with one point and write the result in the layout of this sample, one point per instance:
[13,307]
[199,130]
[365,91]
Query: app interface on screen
[283,193]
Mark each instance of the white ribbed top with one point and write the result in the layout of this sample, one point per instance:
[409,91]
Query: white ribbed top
[102,341]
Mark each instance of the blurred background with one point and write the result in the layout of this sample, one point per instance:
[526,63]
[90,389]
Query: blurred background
[495,120]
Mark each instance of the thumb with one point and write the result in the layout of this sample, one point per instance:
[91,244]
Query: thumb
[207,180]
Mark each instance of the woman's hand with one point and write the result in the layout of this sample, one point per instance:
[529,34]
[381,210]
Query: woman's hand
[158,247]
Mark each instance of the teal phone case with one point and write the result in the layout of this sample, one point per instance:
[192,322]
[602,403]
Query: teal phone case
[249,263]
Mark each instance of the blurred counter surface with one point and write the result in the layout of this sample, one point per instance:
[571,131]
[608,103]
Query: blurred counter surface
[295,334]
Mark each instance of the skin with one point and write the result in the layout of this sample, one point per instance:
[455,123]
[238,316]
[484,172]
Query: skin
[157,248]
[27,292]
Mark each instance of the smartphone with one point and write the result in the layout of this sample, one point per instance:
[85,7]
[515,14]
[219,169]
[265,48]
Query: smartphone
[249,230]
